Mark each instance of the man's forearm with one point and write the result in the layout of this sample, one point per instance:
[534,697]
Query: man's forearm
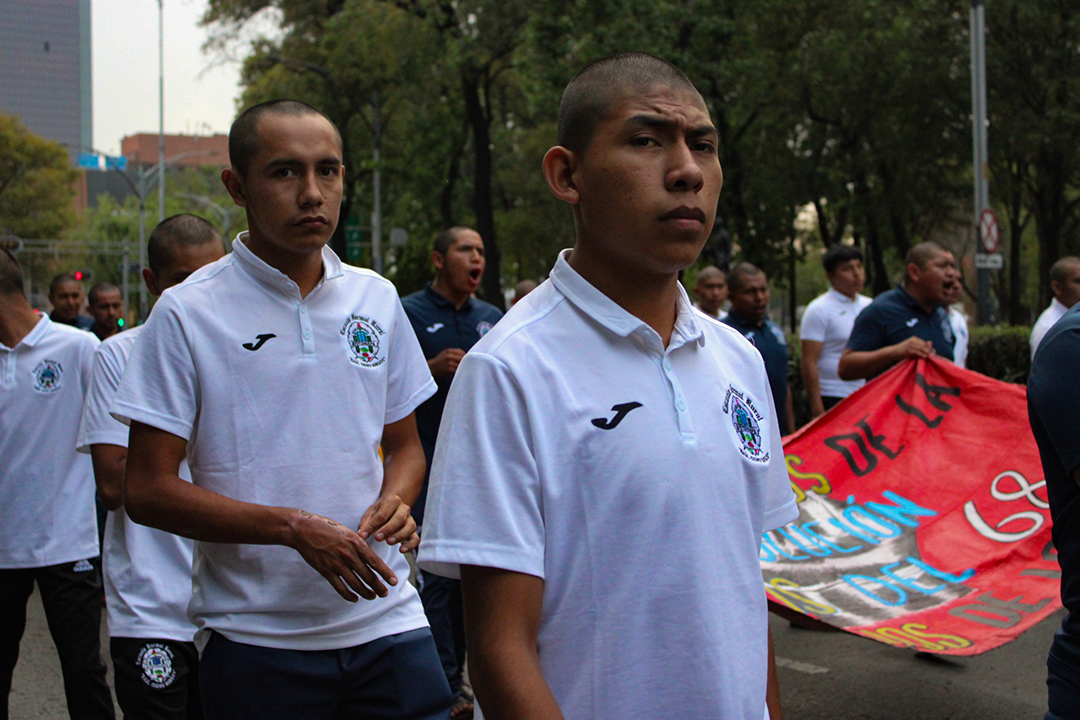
[181,508]
[509,683]
[109,462]
[403,473]
[857,365]
[812,382]
[772,688]
[502,620]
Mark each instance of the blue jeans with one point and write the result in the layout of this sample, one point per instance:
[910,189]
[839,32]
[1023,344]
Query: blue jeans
[393,678]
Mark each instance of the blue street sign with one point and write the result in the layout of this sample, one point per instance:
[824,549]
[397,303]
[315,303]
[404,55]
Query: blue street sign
[89,161]
[118,161]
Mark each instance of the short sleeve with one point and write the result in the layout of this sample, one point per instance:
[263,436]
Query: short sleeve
[1054,393]
[408,380]
[160,386]
[867,334]
[484,502]
[814,323]
[98,427]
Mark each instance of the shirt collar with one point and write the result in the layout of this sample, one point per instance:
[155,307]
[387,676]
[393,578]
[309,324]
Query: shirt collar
[608,313]
[257,267]
[441,301]
[34,336]
[1058,306]
[841,297]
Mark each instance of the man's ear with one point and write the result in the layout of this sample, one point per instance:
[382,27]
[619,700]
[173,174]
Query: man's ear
[560,168]
[151,282]
[437,259]
[914,273]
[234,184]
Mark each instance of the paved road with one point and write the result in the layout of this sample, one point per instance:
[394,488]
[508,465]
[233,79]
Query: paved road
[823,676]
[839,676]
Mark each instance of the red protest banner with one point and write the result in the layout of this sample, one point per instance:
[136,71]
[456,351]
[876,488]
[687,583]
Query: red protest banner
[923,516]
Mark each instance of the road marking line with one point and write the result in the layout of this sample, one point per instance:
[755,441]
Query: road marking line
[799,666]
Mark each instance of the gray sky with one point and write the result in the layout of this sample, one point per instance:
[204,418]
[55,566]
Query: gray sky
[200,91]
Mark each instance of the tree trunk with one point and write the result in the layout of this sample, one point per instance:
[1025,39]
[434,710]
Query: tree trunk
[479,119]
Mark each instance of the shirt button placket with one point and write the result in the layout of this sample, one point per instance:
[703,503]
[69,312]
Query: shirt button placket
[305,330]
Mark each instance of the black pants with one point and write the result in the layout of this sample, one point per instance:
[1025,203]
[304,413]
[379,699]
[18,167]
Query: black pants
[156,679]
[71,594]
[393,678]
[446,613]
[829,402]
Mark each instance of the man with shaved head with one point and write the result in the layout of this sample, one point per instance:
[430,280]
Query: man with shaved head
[107,308]
[909,321]
[66,297]
[1065,284]
[147,572]
[288,381]
[602,413]
[711,291]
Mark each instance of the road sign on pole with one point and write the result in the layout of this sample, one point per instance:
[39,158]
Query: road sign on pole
[988,230]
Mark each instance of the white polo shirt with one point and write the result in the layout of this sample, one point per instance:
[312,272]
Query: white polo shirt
[828,319]
[960,331]
[636,481]
[283,401]
[147,571]
[47,512]
[1047,320]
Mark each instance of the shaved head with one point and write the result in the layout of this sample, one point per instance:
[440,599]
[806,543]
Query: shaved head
[244,137]
[590,97]
[173,233]
[1064,268]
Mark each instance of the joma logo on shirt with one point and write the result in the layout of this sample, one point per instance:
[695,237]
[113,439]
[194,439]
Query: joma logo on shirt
[621,411]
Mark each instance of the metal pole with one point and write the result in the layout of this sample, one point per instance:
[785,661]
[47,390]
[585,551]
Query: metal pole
[127,276]
[144,300]
[981,168]
[376,214]
[161,110]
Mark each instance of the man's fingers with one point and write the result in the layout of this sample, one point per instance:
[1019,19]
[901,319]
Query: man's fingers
[370,559]
[407,528]
[410,543]
[339,586]
[394,523]
[376,516]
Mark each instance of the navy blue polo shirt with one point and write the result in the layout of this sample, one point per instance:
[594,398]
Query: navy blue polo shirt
[83,322]
[770,341]
[1054,409]
[439,325]
[893,317]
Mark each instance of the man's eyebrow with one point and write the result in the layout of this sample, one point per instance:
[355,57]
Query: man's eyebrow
[659,122]
[294,162]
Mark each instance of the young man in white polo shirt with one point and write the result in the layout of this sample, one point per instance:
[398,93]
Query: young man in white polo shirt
[826,327]
[609,456]
[280,373]
[48,528]
[147,571]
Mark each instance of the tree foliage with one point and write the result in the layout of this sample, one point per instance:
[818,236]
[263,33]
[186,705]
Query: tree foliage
[37,183]
[858,109]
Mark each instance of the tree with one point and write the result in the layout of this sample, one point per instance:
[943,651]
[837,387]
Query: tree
[37,183]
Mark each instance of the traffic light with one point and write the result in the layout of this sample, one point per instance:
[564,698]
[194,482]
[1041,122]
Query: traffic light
[84,275]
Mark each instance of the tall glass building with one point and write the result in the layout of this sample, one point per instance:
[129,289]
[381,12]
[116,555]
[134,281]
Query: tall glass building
[45,75]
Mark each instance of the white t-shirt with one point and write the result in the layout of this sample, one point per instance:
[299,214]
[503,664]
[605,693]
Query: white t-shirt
[147,571]
[283,401]
[47,513]
[828,319]
[1047,320]
[960,333]
[636,481]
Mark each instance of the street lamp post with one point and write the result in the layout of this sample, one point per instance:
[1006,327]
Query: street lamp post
[146,179]
[982,170]
[223,213]
[161,109]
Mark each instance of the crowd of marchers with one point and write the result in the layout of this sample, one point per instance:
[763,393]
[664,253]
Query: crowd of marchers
[583,482]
